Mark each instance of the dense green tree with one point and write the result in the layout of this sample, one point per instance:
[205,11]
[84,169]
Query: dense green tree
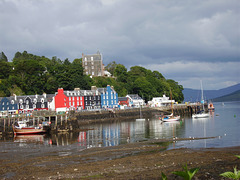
[31,74]
[5,69]
[176,89]
[120,73]
[111,67]
[3,57]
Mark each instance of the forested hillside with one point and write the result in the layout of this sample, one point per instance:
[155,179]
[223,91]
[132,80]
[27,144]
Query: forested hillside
[30,74]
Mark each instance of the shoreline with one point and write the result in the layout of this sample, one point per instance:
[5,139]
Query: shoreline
[140,160]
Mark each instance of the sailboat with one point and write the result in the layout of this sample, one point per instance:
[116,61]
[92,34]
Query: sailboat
[171,117]
[202,113]
[140,115]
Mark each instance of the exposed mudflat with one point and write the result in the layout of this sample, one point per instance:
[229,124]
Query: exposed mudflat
[142,160]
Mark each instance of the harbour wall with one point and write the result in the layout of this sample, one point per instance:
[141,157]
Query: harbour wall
[73,120]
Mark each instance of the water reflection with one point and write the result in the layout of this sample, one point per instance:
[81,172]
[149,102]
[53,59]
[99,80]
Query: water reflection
[223,123]
[103,135]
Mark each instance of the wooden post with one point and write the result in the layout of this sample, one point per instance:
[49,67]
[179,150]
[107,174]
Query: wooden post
[4,123]
[56,119]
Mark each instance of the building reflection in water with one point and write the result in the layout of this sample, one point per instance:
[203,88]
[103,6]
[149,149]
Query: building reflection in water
[109,134]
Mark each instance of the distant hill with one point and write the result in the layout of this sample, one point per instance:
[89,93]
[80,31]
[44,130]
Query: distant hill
[195,94]
[235,96]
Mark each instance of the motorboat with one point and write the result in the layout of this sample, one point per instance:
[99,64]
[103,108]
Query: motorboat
[22,128]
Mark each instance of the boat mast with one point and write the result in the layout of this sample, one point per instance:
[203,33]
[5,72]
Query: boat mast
[202,100]
[171,101]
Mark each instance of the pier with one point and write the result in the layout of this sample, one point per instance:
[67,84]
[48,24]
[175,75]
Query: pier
[68,121]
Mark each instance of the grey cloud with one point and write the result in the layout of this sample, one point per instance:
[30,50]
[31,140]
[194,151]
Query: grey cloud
[131,32]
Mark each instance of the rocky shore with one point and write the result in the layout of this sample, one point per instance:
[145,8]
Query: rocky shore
[141,160]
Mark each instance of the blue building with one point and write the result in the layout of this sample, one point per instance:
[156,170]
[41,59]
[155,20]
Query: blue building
[8,104]
[109,97]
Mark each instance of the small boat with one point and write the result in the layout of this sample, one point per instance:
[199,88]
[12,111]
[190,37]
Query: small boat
[201,114]
[211,107]
[170,118]
[22,128]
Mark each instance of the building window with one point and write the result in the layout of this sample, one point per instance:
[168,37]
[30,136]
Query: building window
[27,102]
[34,106]
[91,58]
[42,106]
[92,67]
[85,58]
[69,98]
[93,73]
[3,103]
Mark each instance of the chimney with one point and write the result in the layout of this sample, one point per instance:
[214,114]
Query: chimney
[93,88]
[76,89]
[15,97]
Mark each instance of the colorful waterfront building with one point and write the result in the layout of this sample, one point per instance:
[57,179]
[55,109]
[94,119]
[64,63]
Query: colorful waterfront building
[135,100]
[9,105]
[68,100]
[109,97]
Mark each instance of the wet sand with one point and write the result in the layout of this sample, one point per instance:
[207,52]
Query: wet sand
[141,160]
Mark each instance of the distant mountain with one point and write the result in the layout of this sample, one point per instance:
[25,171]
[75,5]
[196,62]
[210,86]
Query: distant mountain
[235,96]
[195,95]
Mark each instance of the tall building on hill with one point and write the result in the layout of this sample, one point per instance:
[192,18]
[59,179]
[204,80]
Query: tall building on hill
[93,64]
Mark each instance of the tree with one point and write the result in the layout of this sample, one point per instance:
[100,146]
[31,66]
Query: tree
[111,67]
[5,69]
[3,57]
[120,73]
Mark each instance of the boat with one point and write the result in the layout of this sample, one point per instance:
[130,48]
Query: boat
[22,128]
[211,107]
[171,117]
[202,113]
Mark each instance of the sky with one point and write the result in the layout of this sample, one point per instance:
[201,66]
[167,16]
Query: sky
[187,40]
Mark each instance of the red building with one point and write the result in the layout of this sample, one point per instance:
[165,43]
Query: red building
[69,100]
[123,101]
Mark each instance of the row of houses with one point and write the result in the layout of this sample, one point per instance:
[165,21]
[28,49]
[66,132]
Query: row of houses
[77,99]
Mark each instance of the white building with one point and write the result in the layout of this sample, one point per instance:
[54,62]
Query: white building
[160,101]
[135,100]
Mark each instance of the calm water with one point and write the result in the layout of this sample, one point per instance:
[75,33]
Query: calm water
[224,123]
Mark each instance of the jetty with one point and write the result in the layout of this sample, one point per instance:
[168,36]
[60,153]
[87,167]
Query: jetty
[71,120]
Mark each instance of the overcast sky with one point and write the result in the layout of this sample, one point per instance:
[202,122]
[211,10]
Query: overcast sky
[185,40]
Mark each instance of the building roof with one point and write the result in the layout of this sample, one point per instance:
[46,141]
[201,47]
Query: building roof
[134,96]
[122,98]
[95,57]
